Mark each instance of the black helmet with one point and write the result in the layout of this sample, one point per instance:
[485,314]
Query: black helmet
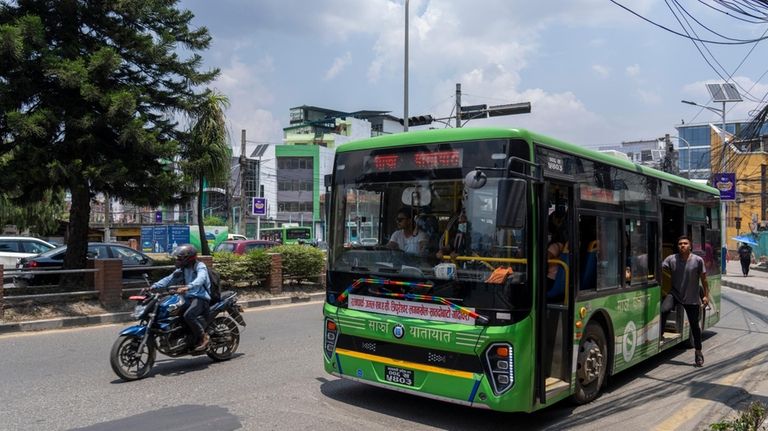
[185,255]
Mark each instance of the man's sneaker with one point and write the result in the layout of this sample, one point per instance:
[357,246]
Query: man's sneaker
[699,358]
[204,344]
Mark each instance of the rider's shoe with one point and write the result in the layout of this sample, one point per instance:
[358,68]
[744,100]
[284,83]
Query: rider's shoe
[203,344]
[699,358]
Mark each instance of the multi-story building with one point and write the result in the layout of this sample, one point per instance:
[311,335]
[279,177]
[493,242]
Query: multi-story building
[295,175]
[650,153]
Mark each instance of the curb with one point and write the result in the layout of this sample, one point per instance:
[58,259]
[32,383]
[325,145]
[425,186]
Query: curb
[744,288]
[122,317]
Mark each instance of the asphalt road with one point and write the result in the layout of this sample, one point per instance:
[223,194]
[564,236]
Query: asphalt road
[61,380]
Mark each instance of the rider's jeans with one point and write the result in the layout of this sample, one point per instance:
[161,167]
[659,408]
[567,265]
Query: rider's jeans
[195,317]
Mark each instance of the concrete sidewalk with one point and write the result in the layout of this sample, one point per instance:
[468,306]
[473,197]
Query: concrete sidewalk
[101,319]
[756,282]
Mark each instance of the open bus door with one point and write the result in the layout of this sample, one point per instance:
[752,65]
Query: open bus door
[555,297]
[672,226]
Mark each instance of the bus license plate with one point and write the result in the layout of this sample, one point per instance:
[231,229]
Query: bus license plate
[398,375]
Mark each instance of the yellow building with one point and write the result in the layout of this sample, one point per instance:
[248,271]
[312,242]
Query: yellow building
[749,161]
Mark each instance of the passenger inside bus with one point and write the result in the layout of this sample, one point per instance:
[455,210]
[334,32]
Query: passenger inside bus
[557,250]
[407,237]
[455,240]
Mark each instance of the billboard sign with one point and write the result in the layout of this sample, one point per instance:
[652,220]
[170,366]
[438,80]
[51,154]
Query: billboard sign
[726,183]
[259,206]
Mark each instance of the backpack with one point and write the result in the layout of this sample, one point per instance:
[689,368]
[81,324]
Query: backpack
[215,278]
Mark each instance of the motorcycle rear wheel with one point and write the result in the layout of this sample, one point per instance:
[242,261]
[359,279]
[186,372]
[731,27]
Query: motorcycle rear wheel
[225,338]
[124,361]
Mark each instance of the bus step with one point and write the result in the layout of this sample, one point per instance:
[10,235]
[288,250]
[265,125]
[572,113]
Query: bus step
[555,386]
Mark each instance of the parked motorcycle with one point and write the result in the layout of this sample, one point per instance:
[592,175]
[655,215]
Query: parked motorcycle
[162,328]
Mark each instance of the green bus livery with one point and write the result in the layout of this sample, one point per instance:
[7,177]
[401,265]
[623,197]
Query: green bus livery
[531,270]
[286,234]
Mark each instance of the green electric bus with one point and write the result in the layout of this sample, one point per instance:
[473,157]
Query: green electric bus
[286,234]
[479,312]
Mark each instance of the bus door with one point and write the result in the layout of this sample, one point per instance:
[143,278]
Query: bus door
[556,290]
[672,227]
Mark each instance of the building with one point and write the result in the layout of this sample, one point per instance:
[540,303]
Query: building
[646,152]
[292,175]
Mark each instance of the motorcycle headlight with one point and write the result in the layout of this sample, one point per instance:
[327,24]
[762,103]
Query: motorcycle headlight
[138,311]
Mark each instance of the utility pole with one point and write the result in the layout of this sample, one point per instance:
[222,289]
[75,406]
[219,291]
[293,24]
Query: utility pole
[241,224]
[107,217]
[458,105]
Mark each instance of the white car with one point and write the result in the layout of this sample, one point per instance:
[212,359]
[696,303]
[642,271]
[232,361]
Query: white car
[13,248]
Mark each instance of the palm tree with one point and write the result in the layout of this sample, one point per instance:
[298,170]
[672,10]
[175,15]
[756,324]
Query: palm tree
[207,153]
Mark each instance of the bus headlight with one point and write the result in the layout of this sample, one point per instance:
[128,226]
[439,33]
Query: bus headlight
[330,336]
[500,368]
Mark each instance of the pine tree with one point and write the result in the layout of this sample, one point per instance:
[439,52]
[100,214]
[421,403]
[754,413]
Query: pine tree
[90,93]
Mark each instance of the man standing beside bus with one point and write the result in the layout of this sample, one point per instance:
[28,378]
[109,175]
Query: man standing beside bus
[686,270]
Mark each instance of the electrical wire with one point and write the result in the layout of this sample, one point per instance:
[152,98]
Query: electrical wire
[717,42]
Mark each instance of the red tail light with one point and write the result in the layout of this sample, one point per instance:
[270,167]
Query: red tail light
[31,264]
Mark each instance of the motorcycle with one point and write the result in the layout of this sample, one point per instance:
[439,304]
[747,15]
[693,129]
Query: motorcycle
[162,328]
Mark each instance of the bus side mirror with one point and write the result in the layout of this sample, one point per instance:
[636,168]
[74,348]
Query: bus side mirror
[513,203]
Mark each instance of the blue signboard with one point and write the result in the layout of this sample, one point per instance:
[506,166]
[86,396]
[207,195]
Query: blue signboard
[259,206]
[726,183]
[177,235]
[147,239]
[158,216]
[160,239]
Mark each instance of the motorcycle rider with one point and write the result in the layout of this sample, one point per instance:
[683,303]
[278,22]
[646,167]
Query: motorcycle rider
[194,275]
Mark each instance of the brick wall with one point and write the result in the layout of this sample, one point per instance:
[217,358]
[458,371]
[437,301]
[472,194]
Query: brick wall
[108,281]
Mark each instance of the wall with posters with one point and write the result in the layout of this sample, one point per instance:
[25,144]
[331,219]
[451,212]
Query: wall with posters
[165,238]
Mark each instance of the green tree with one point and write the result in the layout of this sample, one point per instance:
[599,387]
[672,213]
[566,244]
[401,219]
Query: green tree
[89,96]
[206,154]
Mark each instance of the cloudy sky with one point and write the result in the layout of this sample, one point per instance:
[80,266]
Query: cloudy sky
[594,73]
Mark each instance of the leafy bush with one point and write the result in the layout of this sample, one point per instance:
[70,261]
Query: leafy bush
[231,267]
[300,262]
[750,419]
[258,264]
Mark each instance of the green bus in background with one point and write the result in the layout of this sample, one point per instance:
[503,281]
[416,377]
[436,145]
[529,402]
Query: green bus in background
[478,313]
[287,234]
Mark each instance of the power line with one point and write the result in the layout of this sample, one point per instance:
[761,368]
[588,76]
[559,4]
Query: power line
[717,42]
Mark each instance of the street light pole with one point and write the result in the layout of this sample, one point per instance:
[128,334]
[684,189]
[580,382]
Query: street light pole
[723,209]
[405,73]
[688,145]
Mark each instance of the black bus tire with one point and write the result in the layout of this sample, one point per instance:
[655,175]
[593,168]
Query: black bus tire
[591,364]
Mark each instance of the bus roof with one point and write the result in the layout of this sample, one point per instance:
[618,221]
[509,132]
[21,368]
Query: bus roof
[475,133]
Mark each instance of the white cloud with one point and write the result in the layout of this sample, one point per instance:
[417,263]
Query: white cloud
[338,65]
[633,70]
[601,71]
[649,97]
[250,99]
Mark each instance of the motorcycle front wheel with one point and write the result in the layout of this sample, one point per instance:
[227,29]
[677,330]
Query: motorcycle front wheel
[126,363]
[225,338]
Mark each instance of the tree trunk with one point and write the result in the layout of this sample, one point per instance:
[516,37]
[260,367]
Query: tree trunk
[204,249]
[77,233]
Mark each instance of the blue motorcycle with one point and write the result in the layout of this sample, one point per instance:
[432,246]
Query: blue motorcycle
[162,328]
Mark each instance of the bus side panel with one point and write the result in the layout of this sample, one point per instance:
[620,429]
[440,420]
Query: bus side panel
[634,317]
[712,315]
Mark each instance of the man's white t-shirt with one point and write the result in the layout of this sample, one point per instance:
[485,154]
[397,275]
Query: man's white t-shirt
[409,244]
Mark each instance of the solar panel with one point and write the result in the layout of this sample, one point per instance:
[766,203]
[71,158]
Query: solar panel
[724,93]
[732,93]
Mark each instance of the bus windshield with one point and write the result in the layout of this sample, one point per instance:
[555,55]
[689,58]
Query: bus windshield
[421,222]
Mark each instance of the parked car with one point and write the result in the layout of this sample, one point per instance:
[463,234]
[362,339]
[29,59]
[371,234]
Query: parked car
[54,258]
[235,236]
[244,246]
[13,248]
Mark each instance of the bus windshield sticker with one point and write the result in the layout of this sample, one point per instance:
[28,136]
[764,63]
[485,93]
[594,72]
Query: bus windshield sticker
[426,311]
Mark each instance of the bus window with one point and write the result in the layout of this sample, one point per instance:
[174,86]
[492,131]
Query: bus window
[608,253]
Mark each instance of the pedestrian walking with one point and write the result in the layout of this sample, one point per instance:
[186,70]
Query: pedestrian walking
[686,270]
[745,256]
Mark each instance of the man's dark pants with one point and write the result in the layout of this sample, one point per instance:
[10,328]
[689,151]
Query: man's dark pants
[195,317]
[691,310]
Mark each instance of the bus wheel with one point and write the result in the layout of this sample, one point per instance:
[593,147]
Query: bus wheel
[592,364]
